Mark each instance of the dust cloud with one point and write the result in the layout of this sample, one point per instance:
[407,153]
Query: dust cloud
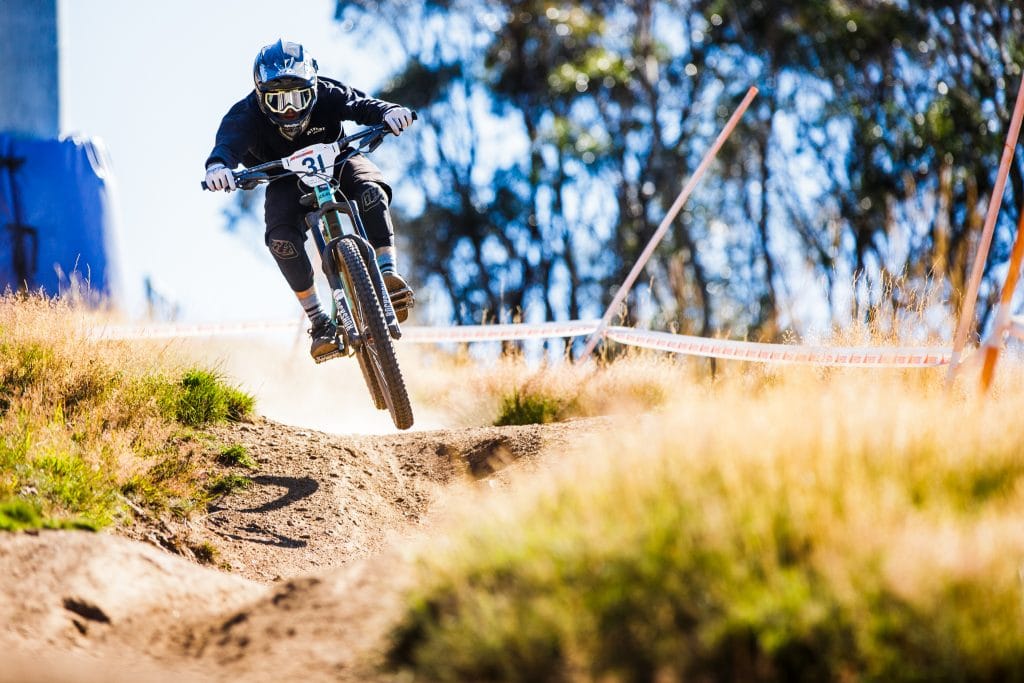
[291,389]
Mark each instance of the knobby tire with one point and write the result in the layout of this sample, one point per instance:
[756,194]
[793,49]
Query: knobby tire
[371,379]
[378,352]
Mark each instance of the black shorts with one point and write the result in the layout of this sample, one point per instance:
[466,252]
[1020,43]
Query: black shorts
[281,207]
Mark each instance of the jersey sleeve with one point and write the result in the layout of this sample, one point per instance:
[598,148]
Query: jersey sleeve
[350,104]
[236,136]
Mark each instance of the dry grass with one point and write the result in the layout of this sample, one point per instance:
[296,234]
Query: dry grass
[769,524]
[84,423]
[513,390]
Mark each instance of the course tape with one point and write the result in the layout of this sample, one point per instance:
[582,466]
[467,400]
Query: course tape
[875,357]
[410,333]
[509,332]
[866,357]
[175,330]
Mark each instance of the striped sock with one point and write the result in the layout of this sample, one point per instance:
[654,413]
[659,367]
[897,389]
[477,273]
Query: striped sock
[387,263]
[311,304]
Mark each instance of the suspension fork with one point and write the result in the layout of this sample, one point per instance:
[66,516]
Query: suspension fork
[329,211]
[340,294]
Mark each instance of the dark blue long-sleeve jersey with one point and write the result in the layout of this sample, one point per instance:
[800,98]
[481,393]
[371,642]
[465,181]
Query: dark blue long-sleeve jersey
[246,136]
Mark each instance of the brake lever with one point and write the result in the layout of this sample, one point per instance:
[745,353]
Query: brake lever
[373,143]
[253,181]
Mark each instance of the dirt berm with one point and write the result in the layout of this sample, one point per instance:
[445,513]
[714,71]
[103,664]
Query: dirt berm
[311,563]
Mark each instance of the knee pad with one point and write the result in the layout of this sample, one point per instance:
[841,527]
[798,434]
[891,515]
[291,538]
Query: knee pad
[286,245]
[372,197]
[373,206]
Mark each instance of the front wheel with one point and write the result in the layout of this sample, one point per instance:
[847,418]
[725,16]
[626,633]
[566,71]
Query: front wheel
[377,356]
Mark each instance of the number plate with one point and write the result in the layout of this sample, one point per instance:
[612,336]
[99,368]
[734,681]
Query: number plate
[314,164]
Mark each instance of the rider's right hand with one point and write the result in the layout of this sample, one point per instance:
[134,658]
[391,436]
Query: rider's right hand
[218,177]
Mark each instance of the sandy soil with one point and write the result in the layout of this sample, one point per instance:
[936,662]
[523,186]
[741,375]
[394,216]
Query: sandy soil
[311,563]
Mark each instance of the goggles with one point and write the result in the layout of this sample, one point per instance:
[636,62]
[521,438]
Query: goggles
[282,100]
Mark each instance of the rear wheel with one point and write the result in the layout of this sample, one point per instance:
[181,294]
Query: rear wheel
[377,356]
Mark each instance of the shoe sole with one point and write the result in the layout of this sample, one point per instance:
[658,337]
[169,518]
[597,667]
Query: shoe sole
[325,351]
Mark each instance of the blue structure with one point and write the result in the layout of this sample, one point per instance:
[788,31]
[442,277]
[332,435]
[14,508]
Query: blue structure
[56,216]
[30,78]
[57,219]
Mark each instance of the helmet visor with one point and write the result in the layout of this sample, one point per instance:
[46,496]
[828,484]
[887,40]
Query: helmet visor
[281,101]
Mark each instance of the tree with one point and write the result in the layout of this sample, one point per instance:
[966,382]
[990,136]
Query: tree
[870,150]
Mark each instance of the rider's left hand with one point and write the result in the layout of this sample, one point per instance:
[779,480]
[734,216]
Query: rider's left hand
[398,119]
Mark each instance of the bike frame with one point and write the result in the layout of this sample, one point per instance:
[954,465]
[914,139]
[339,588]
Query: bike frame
[311,167]
[361,306]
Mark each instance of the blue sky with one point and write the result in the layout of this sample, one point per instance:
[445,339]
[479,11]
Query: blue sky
[152,80]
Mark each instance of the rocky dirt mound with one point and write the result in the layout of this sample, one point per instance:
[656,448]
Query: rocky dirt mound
[312,549]
[67,594]
[322,500]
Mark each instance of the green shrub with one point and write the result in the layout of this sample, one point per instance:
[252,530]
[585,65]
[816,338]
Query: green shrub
[524,408]
[19,513]
[205,552]
[237,456]
[202,397]
[225,484]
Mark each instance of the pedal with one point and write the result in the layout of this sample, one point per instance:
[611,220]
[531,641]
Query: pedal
[402,301]
[337,353]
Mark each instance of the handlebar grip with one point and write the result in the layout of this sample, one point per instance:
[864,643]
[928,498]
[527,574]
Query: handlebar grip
[415,116]
[202,183]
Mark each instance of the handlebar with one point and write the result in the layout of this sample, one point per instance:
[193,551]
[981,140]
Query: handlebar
[369,138]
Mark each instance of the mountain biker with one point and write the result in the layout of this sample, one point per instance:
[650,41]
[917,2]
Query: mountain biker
[290,108]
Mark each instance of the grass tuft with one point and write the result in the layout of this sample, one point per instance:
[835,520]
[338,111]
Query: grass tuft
[522,408]
[85,423]
[237,456]
[19,513]
[201,397]
[227,483]
[205,552]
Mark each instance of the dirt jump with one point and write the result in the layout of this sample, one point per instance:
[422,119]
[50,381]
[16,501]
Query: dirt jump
[310,562]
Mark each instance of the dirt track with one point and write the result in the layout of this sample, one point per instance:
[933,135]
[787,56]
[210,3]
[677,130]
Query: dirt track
[311,556]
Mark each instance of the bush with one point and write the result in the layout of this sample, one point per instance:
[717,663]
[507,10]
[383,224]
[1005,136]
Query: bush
[228,483]
[85,422]
[202,397]
[237,456]
[837,529]
[522,408]
[18,513]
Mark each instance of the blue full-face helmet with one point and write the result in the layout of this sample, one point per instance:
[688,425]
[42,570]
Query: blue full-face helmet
[285,78]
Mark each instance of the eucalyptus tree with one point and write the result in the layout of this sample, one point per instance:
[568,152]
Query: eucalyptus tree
[557,134]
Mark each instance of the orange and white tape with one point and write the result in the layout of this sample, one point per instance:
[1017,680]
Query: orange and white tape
[876,357]
[503,332]
[177,330]
[866,357]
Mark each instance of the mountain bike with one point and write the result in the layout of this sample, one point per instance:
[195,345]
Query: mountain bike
[361,308]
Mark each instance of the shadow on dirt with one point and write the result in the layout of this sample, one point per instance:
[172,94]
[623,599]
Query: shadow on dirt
[296,488]
[254,533]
